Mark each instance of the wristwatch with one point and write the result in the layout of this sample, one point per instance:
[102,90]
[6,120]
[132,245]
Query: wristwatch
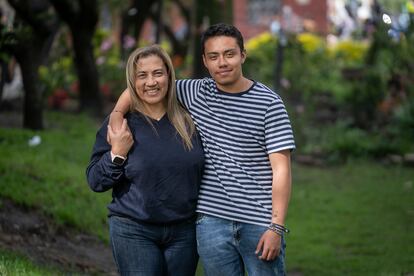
[117,159]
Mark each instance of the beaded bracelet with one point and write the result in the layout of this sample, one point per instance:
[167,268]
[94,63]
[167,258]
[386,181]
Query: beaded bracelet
[278,229]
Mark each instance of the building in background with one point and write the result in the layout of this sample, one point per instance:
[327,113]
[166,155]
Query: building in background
[253,17]
[341,17]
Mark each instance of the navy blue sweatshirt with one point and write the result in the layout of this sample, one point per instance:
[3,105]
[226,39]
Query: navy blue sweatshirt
[159,181]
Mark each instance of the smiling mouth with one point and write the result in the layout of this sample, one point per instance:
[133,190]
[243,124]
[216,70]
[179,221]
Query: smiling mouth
[224,72]
[152,91]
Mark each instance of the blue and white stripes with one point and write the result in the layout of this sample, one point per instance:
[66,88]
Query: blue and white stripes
[239,131]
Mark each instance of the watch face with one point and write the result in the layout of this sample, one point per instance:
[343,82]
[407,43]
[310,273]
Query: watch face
[118,161]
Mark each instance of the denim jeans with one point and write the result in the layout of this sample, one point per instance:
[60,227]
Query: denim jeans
[146,249]
[228,248]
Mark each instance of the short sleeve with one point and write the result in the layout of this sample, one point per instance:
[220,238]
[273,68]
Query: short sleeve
[278,130]
[188,91]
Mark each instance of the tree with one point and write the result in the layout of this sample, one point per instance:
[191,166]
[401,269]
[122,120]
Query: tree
[207,13]
[134,16]
[179,46]
[82,18]
[392,6]
[35,27]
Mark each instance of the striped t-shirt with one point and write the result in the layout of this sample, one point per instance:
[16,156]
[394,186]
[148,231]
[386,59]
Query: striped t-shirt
[238,131]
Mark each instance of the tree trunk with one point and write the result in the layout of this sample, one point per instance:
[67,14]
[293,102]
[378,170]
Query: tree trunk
[33,36]
[207,12]
[82,17]
[29,55]
[136,21]
[33,96]
[89,93]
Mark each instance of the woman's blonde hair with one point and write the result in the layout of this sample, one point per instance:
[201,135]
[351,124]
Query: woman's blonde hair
[177,115]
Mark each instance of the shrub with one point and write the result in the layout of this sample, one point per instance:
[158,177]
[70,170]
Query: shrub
[349,52]
[369,86]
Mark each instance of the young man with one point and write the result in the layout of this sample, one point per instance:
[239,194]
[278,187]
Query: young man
[247,139]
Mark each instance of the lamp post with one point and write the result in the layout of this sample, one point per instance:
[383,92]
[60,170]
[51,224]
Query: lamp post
[159,22]
[277,30]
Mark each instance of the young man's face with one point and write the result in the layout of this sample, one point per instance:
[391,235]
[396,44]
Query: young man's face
[223,60]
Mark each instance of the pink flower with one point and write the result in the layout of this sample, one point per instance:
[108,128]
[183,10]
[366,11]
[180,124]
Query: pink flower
[129,42]
[106,45]
[100,60]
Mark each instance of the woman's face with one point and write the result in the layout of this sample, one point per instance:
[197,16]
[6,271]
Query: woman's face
[151,80]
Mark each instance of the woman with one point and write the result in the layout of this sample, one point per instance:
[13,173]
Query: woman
[154,173]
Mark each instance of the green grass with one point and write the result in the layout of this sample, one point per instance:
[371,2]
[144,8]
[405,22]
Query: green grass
[51,176]
[13,264]
[355,219]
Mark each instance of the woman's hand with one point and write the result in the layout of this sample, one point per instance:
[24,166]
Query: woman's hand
[120,140]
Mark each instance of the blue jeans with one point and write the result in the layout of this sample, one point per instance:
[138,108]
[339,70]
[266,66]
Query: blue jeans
[147,249]
[228,248]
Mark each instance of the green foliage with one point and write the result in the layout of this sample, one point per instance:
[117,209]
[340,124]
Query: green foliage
[402,126]
[110,66]
[365,96]
[260,57]
[392,6]
[369,86]
[309,66]
[7,40]
[349,52]
[60,74]
[341,141]
[117,5]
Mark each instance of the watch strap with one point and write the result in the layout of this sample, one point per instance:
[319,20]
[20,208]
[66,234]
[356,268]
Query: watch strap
[117,159]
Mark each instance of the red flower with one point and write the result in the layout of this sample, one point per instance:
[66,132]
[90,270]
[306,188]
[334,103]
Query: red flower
[74,87]
[58,98]
[106,90]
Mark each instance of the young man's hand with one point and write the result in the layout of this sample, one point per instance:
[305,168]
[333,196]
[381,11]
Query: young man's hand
[121,140]
[115,122]
[269,244]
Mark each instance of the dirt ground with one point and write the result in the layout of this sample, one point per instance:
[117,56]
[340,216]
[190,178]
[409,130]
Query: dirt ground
[30,233]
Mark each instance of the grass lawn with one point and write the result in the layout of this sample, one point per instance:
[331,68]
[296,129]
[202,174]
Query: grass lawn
[52,175]
[355,219]
[13,264]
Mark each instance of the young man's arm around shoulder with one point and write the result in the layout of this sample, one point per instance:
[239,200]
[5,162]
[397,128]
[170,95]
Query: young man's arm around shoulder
[270,242]
[121,108]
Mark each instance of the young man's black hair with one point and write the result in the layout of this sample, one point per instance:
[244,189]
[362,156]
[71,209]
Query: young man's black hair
[222,29]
